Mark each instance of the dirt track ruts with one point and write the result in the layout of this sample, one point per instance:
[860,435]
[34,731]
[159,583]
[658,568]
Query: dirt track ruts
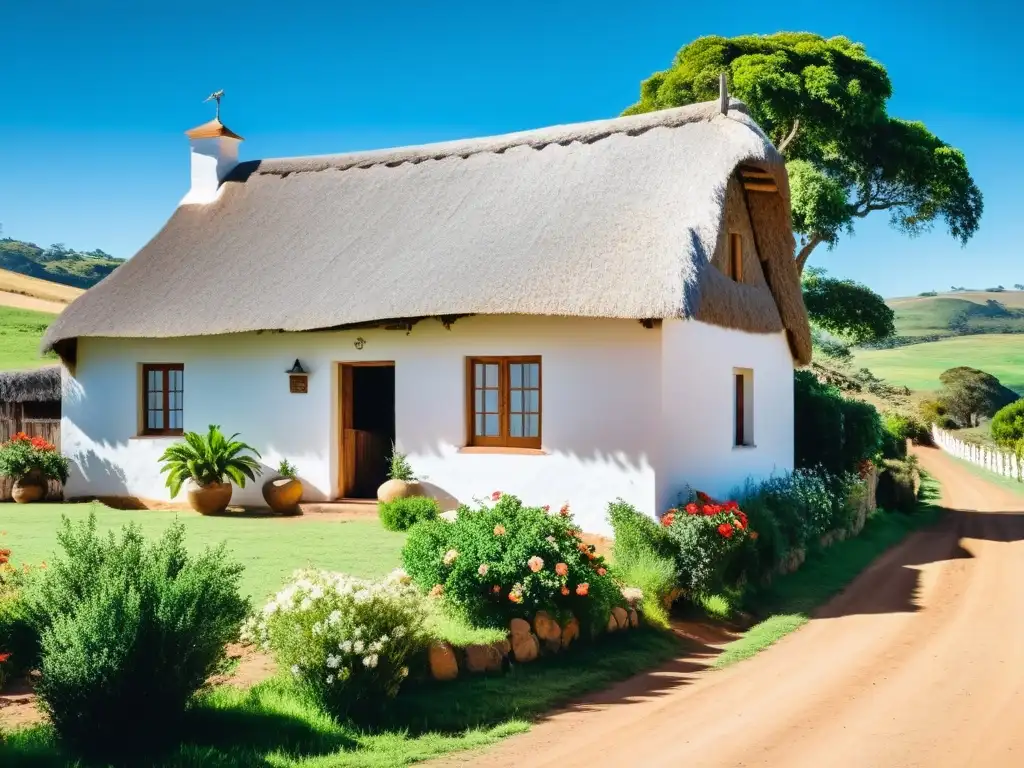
[920,662]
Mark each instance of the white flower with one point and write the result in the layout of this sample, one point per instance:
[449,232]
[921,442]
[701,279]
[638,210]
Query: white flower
[357,632]
[404,672]
[358,646]
[370,661]
[317,629]
[399,631]
[295,670]
[376,646]
[383,639]
[330,679]
[306,604]
[345,646]
[334,618]
[333,662]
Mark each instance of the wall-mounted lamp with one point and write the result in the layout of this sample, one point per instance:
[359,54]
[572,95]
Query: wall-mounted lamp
[298,379]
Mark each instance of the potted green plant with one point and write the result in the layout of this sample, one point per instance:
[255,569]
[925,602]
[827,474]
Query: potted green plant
[283,493]
[209,464]
[31,462]
[401,482]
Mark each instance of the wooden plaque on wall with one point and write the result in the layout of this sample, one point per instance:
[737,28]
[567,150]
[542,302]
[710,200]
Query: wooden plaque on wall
[298,384]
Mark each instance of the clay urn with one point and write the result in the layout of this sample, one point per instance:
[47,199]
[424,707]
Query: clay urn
[398,489]
[283,494]
[209,499]
[28,488]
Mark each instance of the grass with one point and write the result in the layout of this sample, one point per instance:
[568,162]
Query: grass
[791,599]
[21,331]
[269,548]
[918,366]
[931,315]
[272,725]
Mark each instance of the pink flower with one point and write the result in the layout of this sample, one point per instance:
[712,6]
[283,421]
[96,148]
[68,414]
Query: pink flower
[582,589]
[565,590]
[535,563]
[564,511]
[449,556]
[499,530]
[561,569]
[496,495]
[482,570]
[437,590]
[546,507]
[602,571]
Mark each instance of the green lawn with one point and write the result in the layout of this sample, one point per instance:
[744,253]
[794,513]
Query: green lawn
[931,315]
[918,365]
[21,330]
[791,599]
[269,548]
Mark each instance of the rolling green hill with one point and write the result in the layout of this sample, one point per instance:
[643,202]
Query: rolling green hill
[960,313]
[21,330]
[81,269]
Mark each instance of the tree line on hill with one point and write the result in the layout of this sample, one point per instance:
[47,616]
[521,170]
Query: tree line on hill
[58,263]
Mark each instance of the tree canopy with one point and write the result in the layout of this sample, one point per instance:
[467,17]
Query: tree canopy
[822,102]
[846,308]
[1008,426]
[968,395]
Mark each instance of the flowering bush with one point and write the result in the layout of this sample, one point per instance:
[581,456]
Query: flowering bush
[705,534]
[495,563]
[347,641]
[18,641]
[23,454]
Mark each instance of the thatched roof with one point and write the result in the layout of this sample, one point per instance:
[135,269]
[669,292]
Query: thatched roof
[615,218]
[39,386]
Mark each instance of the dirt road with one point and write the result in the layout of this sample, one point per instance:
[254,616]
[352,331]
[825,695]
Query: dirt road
[920,662]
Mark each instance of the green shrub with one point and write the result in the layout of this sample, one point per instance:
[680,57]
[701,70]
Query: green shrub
[1008,426]
[402,514]
[791,512]
[899,428]
[897,485]
[130,630]
[399,467]
[19,641]
[644,558]
[832,431]
[706,536]
[934,412]
[346,641]
[496,563]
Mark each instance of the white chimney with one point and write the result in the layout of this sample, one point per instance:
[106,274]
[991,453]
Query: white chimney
[214,154]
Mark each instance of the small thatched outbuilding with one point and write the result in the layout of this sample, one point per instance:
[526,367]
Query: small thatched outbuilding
[29,397]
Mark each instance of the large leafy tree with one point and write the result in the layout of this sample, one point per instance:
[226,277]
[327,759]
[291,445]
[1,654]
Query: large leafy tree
[968,395]
[846,308]
[823,104]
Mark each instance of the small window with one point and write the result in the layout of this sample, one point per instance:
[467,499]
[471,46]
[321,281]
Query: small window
[736,257]
[503,401]
[743,400]
[163,398]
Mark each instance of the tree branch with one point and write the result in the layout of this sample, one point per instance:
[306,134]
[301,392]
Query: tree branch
[805,253]
[788,140]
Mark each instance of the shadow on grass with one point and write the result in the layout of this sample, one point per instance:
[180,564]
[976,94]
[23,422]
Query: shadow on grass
[271,723]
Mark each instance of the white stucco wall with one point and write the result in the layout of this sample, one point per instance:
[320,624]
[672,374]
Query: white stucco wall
[600,400]
[615,396]
[698,426]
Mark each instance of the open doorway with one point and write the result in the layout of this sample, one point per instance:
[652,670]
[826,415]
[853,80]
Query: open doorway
[367,427]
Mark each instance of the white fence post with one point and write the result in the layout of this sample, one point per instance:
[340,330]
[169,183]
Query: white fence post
[994,460]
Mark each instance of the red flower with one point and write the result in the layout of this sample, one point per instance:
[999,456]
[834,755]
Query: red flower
[582,589]
[496,495]
[668,518]
[742,517]
[726,530]
[564,511]
[4,657]
[708,510]
[496,589]
[753,535]
[546,507]
[691,509]
[565,590]
[738,525]
[731,506]
[583,548]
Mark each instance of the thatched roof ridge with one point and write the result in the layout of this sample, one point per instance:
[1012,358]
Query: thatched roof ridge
[614,218]
[41,385]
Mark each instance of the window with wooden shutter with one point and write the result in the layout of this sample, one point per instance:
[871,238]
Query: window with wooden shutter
[163,398]
[504,401]
[743,406]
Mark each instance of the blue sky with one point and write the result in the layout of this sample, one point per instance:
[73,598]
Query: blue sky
[94,97]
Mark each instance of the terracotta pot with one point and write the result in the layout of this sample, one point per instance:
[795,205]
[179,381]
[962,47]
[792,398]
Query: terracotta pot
[209,499]
[31,487]
[399,489]
[283,494]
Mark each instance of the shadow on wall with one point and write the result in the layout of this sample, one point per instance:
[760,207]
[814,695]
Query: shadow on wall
[446,501]
[100,473]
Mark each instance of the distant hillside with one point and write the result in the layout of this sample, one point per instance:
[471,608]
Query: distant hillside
[56,263]
[25,292]
[963,313]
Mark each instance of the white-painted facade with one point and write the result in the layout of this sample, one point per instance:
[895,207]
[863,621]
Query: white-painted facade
[628,411]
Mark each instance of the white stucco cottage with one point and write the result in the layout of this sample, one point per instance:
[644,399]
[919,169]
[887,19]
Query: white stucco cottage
[577,313]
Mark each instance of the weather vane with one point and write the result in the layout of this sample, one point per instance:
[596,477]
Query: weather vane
[215,96]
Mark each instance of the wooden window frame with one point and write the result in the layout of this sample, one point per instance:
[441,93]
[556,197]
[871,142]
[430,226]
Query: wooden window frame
[165,369]
[503,439]
[743,407]
[736,256]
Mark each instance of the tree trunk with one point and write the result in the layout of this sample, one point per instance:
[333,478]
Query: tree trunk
[805,253]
